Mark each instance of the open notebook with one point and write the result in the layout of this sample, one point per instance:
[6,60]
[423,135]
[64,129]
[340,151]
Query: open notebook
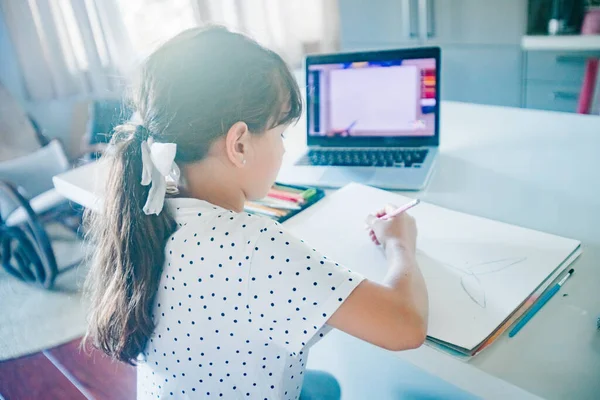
[480,273]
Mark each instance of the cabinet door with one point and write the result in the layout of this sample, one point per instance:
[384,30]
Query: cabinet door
[557,66]
[473,21]
[378,24]
[552,96]
[482,74]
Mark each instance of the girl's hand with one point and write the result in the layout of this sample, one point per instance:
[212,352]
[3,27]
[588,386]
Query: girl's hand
[400,230]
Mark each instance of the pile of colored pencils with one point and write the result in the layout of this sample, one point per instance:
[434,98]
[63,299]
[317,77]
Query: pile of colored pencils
[281,201]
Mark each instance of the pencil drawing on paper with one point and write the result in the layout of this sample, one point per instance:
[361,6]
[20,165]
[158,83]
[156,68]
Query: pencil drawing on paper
[470,281]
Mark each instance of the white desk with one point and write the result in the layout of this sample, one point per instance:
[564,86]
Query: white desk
[531,168]
[559,43]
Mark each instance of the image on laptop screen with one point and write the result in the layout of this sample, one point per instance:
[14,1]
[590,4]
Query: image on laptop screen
[394,98]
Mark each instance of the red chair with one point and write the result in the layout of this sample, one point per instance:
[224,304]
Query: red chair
[591,26]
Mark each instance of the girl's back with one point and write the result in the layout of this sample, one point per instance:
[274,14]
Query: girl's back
[235,305]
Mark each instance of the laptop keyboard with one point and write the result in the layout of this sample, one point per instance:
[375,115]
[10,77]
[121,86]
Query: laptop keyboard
[365,157]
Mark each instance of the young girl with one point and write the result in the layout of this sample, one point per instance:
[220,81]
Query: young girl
[209,301]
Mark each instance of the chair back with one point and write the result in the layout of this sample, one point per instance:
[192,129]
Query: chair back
[105,115]
[32,173]
[17,135]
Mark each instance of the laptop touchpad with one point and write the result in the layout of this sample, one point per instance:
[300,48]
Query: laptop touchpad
[346,175]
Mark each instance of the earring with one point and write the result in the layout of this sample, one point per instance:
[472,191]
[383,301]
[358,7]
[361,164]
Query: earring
[244,161]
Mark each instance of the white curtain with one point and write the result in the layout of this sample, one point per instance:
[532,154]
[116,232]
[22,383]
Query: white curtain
[88,47]
[68,47]
[290,27]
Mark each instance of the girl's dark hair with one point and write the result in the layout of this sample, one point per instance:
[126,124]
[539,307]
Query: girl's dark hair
[190,92]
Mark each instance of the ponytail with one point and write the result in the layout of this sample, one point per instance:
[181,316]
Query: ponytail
[128,254]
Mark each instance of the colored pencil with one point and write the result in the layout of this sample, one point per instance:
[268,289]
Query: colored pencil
[279,194]
[278,186]
[264,209]
[309,193]
[278,203]
[543,300]
[402,209]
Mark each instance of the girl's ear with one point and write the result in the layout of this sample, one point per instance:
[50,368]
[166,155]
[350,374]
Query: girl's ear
[237,143]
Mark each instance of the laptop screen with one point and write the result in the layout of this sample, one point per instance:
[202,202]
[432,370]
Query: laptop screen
[385,99]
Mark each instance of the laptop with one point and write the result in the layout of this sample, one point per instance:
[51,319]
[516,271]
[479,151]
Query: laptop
[372,118]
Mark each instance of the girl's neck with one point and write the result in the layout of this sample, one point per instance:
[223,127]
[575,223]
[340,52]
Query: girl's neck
[202,183]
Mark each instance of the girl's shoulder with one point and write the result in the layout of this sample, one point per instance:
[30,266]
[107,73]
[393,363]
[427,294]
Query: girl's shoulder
[192,214]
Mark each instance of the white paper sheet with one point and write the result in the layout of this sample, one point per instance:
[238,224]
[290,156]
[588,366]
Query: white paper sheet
[477,271]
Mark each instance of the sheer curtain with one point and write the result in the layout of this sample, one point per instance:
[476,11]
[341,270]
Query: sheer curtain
[291,27]
[88,47]
[68,47]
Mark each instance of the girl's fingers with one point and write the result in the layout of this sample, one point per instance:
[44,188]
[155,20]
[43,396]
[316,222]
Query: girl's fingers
[386,210]
[374,238]
[372,235]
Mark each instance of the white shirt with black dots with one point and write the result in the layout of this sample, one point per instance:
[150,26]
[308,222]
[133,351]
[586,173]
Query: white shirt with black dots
[239,304]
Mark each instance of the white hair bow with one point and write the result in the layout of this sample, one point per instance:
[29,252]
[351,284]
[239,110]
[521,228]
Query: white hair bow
[159,168]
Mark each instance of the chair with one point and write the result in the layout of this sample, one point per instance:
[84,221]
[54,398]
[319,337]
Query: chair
[104,116]
[591,26]
[28,202]
[19,133]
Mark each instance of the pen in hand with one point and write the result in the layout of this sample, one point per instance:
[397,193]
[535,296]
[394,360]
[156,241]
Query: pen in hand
[392,214]
[400,210]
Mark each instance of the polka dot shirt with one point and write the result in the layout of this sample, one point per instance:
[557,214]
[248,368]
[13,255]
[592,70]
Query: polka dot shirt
[239,304]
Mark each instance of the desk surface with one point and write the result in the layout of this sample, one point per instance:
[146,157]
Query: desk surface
[561,43]
[535,169]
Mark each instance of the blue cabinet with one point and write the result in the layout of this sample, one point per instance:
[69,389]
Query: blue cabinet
[482,74]
[480,41]
[552,66]
[551,96]
[474,22]
[553,79]
[376,24]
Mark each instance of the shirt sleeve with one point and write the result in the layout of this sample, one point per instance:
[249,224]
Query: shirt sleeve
[293,289]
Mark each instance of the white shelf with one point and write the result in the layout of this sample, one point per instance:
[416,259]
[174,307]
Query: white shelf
[567,43]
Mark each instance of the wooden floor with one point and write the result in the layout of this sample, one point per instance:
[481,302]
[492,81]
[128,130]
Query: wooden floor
[66,372]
